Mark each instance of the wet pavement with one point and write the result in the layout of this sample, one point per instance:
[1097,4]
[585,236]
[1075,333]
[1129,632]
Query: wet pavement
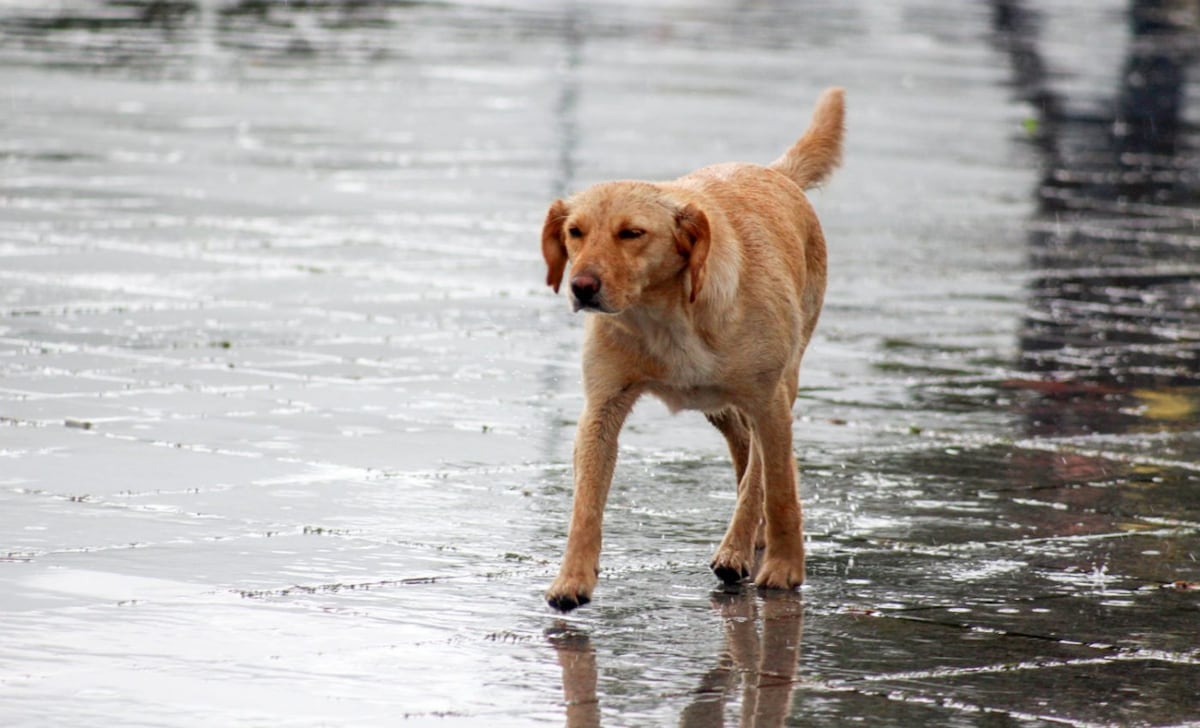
[286,412]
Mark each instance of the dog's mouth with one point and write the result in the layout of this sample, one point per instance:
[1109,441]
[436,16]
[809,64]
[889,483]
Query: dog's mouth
[592,306]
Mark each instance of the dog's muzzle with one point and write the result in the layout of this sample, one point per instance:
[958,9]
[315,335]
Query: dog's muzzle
[585,293]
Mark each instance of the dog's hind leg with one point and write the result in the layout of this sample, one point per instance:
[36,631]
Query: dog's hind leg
[783,561]
[736,430]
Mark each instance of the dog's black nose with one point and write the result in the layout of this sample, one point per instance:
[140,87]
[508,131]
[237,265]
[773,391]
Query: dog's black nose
[585,288]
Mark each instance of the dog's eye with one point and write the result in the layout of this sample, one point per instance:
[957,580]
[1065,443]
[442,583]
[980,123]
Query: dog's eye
[574,232]
[630,233]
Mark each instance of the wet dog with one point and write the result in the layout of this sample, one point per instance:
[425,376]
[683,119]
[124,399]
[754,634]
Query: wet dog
[704,292]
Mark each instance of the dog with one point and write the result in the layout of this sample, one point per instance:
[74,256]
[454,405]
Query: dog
[704,292]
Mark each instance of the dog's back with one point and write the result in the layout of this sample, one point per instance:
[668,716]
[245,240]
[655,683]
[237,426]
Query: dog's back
[771,219]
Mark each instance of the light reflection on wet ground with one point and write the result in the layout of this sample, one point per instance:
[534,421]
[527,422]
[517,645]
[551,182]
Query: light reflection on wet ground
[285,413]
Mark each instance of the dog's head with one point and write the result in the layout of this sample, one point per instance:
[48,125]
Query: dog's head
[623,239]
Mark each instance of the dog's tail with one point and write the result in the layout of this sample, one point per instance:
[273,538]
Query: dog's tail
[811,159]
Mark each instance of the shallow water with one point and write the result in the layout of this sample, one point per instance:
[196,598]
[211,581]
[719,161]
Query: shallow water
[286,412]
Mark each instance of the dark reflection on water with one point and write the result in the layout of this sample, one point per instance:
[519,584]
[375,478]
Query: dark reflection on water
[178,38]
[761,652]
[168,37]
[1113,308]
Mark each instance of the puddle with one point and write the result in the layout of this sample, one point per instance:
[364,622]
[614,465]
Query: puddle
[286,412]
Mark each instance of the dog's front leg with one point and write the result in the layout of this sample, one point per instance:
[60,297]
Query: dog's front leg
[783,561]
[733,559]
[595,458]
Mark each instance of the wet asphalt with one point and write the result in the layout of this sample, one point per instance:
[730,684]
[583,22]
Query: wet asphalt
[286,411]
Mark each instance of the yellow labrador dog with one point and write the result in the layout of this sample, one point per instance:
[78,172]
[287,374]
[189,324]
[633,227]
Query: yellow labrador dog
[704,292]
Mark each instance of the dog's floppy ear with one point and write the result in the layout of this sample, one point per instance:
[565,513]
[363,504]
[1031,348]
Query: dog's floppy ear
[692,238]
[554,250]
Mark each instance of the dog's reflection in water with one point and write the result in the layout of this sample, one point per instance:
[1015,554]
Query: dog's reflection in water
[578,660]
[762,648]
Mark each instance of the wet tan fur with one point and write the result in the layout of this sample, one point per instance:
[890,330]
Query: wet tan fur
[710,308]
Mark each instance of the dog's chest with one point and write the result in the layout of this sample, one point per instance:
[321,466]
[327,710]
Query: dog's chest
[686,373]
[703,398]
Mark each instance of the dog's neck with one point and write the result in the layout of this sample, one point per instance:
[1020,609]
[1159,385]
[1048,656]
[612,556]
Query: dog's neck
[674,337]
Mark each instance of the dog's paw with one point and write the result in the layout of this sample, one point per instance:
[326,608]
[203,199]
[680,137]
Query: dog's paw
[730,566]
[780,573]
[567,593]
[567,602]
